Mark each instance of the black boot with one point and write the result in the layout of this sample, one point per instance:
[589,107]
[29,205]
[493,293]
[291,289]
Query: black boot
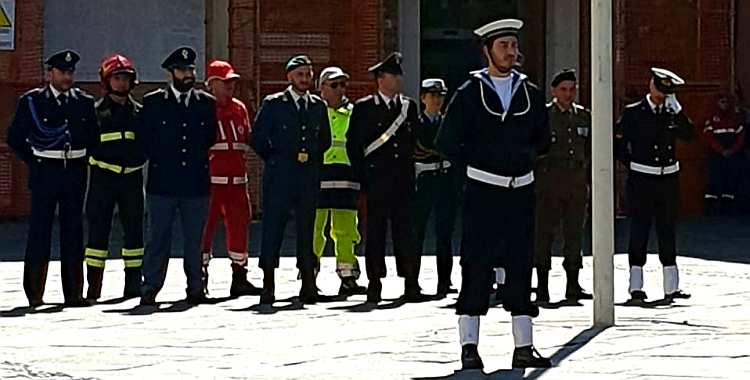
[444,269]
[308,293]
[374,289]
[637,298]
[133,283]
[573,291]
[470,357]
[94,276]
[676,295]
[269,288]
[34,281]
[412,291]
[529,357]
[240,285]
[542,286]
[349,287]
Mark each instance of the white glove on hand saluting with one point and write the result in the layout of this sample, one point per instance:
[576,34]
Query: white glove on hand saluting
[672,104]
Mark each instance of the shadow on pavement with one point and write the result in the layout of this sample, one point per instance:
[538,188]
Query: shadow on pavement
[21,311]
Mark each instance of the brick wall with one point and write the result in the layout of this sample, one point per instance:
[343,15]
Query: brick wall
[20,70]
[264,34]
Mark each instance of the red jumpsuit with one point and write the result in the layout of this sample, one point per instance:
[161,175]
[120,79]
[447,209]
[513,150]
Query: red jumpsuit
[229,199]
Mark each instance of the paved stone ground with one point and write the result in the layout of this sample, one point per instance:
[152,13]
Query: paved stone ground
[705,337]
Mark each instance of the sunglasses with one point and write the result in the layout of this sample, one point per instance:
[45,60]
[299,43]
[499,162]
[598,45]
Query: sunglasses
[336,85]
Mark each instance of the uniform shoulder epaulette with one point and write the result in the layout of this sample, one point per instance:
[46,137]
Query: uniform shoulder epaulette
[33,91]
[159,92]
[83,93]
[364,99]
[633,105]
[316,98]
[274,96]
[550,104]
[531,84]
[99,102]
[201,93]
[581,108]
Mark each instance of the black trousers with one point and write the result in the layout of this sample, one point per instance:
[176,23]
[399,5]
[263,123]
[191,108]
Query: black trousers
[437,191]
[724,175]
[389,200]
[107,190]
[498,228]
[53,184]
[652,198]
[285,193]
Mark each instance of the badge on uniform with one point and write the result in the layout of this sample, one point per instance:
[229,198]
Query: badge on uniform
[302,157]
[583,131]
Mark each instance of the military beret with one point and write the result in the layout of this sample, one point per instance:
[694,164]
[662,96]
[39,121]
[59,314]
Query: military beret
[64,60]
[183,58]
[665,80]
[297,61]
[566,74]
[391,65]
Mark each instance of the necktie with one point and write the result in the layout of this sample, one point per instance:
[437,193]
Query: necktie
[62,99]
[302,105]
[391,105]
[183,99]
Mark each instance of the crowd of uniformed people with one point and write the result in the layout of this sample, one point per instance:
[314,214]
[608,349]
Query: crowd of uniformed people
[521,163]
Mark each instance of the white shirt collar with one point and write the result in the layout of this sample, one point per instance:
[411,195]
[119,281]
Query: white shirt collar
[572,107]
[386,98]
[56,93]
[653,105]
[296,96]
[177,94]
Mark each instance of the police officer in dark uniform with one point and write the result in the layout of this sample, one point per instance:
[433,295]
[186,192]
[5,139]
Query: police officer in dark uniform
[178,125]
[496,124]
[380,143]
[290,133]
[436,183]
[116,178]
[645,140]
[562,186]
[54,131]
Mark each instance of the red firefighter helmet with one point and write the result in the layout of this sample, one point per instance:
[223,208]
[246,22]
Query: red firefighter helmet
[116,64]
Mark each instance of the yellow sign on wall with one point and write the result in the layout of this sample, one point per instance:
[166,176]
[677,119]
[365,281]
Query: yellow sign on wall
[7,24]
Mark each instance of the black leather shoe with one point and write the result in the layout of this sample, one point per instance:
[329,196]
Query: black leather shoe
[349,287]
[267,296]
[637,297]
[677,295]
[196,299]
[529,357]
[148,299]
[374,289]
[444,288]
[412,291]
[77,302]
[308,293]
[470,357]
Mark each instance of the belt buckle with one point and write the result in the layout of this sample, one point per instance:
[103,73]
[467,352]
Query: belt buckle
[512,183]
[661,170]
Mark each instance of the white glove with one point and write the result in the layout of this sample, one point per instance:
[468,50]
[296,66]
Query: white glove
[672,104]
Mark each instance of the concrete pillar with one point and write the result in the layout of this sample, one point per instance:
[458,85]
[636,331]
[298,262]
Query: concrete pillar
[602,161]
[563,33]
[410,46]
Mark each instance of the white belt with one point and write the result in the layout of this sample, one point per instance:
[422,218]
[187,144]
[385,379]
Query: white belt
[340,185]
[499,180]
[656,170]
[60,154]
[235,146]
[420,167]
[225,180]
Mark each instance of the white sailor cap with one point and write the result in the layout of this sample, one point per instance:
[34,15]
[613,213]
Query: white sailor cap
[665,80]
[499,28]
[331,73]
[434,85]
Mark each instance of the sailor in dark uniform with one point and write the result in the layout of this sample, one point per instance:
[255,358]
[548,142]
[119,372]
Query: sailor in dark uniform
[53,131]
[380,143]
[290,133]
[436,187]
[178,125]
[645,140]
[496,124]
